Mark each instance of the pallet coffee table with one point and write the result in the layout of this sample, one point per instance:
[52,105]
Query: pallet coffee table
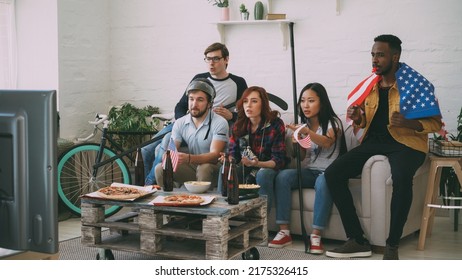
[214,231]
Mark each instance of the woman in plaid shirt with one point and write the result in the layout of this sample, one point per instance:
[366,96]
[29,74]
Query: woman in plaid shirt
[259,128]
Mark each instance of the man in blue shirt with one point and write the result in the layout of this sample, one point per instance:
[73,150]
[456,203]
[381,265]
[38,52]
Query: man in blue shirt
[205,134]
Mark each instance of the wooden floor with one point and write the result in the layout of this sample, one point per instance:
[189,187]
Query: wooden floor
[444,244]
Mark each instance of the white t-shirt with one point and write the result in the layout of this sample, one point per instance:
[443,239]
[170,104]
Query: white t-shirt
[322,161]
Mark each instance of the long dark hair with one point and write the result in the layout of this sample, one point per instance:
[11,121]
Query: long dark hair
[267,115]
[326,115]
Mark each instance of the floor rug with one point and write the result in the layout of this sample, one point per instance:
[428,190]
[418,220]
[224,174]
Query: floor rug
[72,249]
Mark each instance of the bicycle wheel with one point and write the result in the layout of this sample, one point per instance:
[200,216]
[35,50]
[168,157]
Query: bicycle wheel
[75,175]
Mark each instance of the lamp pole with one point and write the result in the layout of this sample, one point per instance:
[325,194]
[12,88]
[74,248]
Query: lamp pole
[297,147]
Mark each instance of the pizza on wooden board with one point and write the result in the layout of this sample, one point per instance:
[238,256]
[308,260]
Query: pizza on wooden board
[112,192]
[184,199]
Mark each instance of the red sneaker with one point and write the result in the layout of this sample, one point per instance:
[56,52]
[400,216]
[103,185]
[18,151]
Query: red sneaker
[281,240]
[316,245]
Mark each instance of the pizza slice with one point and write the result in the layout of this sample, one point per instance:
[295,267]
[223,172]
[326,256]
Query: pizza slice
[119,193]
[184,199]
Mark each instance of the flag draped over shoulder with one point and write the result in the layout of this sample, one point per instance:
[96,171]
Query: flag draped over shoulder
[173,155]
[417,94]
[361,91]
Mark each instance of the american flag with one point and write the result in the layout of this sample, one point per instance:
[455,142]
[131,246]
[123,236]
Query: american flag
[417,94]
[173,155]
[360,92]
[304,142]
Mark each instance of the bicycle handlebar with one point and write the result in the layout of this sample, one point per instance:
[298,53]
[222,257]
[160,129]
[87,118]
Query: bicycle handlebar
[164,117]
[99,119]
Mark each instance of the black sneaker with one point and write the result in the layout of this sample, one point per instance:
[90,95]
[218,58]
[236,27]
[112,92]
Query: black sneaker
[391,253]
[351,249]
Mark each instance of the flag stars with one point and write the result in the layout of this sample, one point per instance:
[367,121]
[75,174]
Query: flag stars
[417,97]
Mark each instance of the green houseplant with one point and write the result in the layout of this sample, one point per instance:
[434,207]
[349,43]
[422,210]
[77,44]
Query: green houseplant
[220,3]
[244,12]
[132,123]
[224,7]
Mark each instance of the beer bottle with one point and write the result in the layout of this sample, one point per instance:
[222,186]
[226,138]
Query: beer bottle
[224,176]
[233,184]
[168,173]
[139,168]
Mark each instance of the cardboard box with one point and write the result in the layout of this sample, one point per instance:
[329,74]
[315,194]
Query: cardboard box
[275,16]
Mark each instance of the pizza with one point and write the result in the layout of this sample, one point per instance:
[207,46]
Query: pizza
[184,199]
[112,192]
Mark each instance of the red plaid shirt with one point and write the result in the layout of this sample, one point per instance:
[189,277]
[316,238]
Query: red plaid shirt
[267,143]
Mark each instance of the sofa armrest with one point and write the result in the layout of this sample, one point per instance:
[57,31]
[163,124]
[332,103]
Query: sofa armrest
[376,175]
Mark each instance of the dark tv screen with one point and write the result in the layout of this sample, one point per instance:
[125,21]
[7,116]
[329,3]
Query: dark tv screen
[28,178]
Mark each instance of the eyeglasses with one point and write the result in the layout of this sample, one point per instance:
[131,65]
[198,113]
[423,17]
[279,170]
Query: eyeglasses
[212,59]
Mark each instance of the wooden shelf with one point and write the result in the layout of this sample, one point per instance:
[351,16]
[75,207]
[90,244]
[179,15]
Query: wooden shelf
[283,24]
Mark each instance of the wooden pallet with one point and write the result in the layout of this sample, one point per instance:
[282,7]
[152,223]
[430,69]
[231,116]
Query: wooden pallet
[215,231]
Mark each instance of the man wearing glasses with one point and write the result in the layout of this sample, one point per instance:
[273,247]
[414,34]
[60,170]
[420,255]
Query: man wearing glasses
[229,89]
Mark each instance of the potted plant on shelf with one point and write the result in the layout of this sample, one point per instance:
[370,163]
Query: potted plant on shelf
[224,7]
[244,12]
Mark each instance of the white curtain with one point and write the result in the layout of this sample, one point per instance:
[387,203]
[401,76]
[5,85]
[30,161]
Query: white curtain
[8,46]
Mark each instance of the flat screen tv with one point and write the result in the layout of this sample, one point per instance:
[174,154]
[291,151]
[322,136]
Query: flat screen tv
[28,177]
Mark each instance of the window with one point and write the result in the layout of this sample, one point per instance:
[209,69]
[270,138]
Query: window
[8,62]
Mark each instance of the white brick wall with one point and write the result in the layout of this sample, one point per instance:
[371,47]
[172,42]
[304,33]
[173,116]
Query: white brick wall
[146,51]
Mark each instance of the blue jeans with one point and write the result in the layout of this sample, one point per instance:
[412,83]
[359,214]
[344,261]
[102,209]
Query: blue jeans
[151,158]
[287,180]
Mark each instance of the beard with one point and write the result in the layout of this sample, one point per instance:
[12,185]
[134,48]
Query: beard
[384,70]
[196,113]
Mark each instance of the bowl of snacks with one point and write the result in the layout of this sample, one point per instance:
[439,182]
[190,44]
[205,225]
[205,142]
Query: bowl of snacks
[197,186]
[248,188]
